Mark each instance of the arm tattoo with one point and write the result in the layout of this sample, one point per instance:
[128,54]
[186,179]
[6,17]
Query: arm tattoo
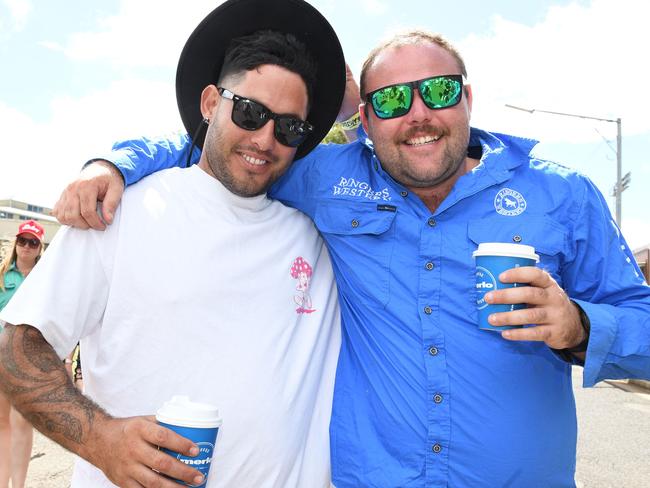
[36,382]
[61,423]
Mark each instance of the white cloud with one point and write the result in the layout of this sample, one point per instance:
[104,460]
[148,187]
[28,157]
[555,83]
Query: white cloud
[374,7]
[143,33]
[52,46]
[45,155]
[19,11]
[581,59]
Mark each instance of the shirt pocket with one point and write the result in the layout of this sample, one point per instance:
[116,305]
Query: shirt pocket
[548,237]
[360,238]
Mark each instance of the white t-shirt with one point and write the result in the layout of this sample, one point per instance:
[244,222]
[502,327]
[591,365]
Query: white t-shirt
[198,292]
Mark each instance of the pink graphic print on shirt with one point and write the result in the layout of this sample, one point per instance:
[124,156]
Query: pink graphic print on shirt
[301,271]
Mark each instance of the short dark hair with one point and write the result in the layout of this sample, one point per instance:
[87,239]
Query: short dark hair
[269,47]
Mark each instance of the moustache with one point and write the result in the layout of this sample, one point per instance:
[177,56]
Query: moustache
[423,130]
[255,152]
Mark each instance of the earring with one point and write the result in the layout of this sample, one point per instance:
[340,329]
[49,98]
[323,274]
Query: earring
[206,121]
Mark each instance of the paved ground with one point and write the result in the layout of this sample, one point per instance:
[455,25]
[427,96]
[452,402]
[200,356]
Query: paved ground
[613,445]
[613,436]
[51,465]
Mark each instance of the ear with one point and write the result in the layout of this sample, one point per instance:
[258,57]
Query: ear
[210,99]
[469,96]
[363,113]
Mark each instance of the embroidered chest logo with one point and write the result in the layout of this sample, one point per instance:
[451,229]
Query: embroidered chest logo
[301,271]
[509,202]
[359,189]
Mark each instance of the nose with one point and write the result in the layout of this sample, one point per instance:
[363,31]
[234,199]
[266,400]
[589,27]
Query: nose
[263,138]
[419,112]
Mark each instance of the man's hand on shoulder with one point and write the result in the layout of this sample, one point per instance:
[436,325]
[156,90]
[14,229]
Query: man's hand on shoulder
[100,181]
[351,98]
[349,106]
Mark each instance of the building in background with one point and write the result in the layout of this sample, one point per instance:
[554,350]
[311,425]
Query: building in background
[13,212]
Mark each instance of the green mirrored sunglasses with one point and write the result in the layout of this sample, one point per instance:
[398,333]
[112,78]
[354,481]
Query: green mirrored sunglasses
[396,100]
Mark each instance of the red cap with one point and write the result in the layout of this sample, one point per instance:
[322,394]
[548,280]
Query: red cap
[33,228]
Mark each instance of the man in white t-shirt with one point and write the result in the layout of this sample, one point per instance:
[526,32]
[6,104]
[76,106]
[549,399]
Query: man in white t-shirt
[245,317]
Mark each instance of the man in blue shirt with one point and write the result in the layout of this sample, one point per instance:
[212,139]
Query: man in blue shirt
[423,397]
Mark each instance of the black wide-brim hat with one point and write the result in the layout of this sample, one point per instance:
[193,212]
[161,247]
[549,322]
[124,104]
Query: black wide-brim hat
[202,57]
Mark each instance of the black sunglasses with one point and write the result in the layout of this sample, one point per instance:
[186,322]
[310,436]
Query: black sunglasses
[24,241]
[437,92]
[251,115]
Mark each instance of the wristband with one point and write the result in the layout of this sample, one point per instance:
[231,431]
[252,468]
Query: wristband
[351,123]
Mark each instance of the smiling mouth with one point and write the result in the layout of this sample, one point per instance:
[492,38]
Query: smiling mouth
[254,161]
[421,140]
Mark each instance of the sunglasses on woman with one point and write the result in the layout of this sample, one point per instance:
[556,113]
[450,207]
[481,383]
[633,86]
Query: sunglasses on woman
[251,115]
[437,92]
[24,241]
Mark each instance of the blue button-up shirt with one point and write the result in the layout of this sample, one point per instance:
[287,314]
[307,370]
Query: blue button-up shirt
[422,396]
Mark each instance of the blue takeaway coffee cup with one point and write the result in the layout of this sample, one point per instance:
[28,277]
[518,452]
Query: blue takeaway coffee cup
[198,422]
[493,258]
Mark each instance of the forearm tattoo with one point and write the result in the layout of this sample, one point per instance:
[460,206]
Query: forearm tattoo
[36,382]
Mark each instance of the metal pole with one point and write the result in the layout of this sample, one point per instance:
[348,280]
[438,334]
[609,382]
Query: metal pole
[619,172]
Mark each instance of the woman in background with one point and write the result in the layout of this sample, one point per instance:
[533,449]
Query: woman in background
[15,432]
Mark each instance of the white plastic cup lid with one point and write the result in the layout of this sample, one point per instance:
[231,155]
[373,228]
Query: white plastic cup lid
[182,412]
[506,249]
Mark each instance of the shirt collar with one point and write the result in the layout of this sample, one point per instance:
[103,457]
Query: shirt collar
[213,186]
[500,155]
[492,143]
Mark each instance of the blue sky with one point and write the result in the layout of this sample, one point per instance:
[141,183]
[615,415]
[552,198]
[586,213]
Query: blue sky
[78,75]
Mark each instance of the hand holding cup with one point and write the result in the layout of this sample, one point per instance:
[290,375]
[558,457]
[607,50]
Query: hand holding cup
[199,422]
[549,313]
[492,260]
[125,449]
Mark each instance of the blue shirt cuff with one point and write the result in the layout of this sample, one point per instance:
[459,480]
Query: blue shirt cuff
[603,333]
[120,158]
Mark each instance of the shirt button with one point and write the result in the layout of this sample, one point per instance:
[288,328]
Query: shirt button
[516,238]
[355,223]
[433,350]
[404,193]
[431,222]
[437,398]
[427,310]
[436,448]
[429,266]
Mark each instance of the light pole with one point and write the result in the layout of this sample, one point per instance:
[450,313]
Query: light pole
[622,182]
